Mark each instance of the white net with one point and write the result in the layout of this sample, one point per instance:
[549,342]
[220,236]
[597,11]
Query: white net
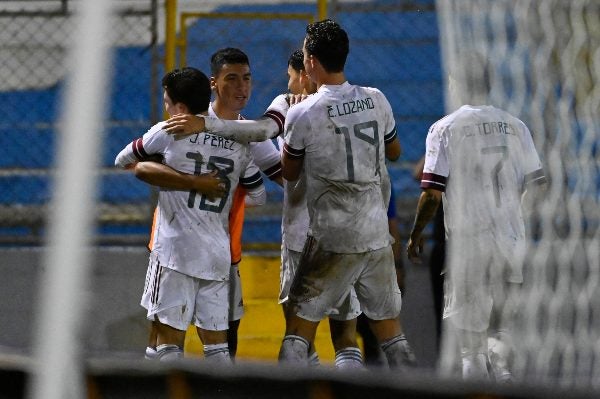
[540,61]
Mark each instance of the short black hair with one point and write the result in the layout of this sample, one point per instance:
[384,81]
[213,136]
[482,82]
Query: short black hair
[228,55]
[296,61]
[188,86]
[328,42]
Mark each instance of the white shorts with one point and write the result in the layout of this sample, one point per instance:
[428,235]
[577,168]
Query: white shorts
[150,284]
[348,310]
[178,300]
[324,279]
[289,264]
[236,304]
[477,281]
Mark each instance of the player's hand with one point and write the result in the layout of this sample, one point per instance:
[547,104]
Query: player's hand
[210,184]
[414,249]
[294,99]
[184,124]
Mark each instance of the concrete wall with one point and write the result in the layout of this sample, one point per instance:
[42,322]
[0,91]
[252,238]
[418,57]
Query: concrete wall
[115,321]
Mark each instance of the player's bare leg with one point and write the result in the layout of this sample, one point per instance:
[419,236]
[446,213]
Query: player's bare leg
[215,345]
[232,337]
[393,343]
[343,337]
[169,342]
[152,337]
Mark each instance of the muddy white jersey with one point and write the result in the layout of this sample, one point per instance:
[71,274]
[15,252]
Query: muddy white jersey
[341,132]
[191,233]
[481,157]
[294,221]
[264,154]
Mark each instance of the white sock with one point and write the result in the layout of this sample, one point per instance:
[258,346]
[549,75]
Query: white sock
[150,353]
[348,358]
[475,366]
[217,353]
[313,360]
[294,350]
[499,353]
[168,352]
[398,353]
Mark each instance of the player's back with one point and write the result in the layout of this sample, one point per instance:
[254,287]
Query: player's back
[345,165]
[487,168]
[192,234]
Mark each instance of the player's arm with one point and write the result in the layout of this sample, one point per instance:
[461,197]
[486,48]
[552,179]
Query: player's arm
[426,208]
[127,157]
[160,175]
[252,182]
[256,197]
[291,162]
[393,149]
[268,159]
[269,126]
[133,153]
[245,131]
[535,188]
[143,156]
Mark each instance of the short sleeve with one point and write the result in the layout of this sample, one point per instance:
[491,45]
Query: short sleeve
[388,117]
[532,166]
[267,158]
[251,177]
[436,168]
[296,130]
[277,111]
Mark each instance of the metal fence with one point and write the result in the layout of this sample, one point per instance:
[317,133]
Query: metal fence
[33,43]
[394,46]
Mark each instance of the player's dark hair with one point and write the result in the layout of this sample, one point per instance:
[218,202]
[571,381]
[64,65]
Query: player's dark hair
[228,55]
[188,86]
[328,42]
[296,61]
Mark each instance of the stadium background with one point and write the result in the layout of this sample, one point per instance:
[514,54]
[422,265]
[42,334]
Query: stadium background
[394,46]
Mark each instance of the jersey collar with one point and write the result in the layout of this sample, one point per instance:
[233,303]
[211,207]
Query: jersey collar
[211,112]
[332,88]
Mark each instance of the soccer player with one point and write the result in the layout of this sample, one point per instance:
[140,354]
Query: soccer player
[373,355]
[190,260]
[231,83]
[295,213]
[479,160]
[437,258]
[338,137]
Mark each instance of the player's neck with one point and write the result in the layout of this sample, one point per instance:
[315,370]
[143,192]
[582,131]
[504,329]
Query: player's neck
[223,112]
[336,78]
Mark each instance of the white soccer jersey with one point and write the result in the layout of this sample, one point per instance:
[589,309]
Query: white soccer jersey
[481,157]
[294,223]
[341,132]
[191,233]
[265,155]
